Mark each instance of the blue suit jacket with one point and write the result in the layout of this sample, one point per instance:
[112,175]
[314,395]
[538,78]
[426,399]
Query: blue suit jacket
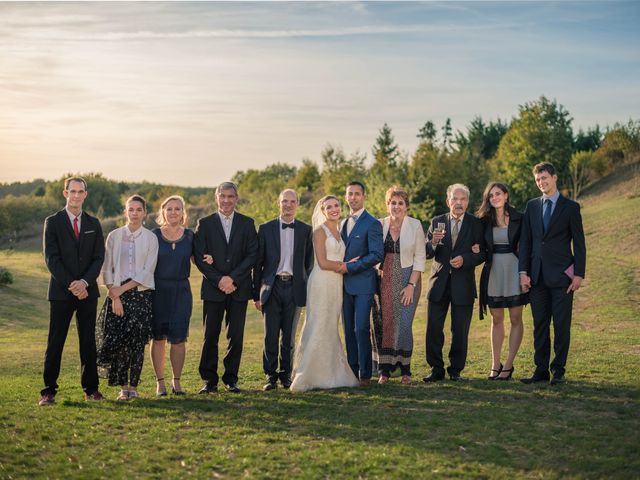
[365,242]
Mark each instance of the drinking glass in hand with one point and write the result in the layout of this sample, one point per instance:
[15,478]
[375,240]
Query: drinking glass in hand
[441,229]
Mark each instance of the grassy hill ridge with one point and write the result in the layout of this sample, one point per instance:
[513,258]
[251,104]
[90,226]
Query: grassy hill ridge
[589,428]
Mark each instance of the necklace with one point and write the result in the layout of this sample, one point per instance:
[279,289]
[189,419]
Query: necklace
[170,236]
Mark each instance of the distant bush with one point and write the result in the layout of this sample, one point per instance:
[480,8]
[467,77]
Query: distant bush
[5,277]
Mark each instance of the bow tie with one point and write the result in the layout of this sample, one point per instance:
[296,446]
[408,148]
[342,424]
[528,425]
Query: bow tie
[354,217]
[287,225]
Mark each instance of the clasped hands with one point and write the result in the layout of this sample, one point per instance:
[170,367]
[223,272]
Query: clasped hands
[226,285]
[79,289]
[342,266]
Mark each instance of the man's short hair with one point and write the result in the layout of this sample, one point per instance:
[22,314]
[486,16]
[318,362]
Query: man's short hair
[544,167]
[458,186]
[227,186]
[288,190]
[359,184]
[68,181]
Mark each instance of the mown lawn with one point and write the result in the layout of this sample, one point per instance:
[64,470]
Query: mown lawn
[588,428]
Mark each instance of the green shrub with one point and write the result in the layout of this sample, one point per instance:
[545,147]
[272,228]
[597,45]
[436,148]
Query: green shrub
[5,277]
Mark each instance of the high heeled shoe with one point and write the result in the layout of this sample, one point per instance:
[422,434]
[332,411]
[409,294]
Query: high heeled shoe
[493,377]
[160,393]
[173,388]
[506,370]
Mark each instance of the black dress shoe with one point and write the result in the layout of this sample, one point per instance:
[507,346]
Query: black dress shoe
[557,380]
[535,378]
[433,377]
[270,385]
[232,387]
[286,383]
[455,377]
[208,388]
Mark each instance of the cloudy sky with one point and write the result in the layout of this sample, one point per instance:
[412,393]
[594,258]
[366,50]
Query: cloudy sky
[189,93]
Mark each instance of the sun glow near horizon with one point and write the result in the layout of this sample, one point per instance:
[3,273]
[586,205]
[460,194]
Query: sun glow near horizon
[190,93]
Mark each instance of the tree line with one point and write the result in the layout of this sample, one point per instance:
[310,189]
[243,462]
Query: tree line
[501,150]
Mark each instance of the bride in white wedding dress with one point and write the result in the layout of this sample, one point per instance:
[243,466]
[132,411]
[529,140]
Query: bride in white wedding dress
[320,361]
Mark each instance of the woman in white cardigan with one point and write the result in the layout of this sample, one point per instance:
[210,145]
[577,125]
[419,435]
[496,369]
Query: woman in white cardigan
[124,324]
[400,285]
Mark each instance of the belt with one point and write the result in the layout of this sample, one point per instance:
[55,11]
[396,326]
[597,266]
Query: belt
[502,248]
[284,277]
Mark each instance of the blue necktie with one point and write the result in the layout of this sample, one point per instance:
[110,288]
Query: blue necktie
[546,216]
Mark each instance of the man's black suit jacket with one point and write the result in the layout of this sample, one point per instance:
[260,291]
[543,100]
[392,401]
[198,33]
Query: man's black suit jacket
[463,281]
[550,251]
[266,267]
[69,259]
[235,259]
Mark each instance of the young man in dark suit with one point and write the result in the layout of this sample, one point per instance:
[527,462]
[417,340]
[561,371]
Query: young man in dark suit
[285,260]
[551,271]
[230,238]
[74,252]
[452,282]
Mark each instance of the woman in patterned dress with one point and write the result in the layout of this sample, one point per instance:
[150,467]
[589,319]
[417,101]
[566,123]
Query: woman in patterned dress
[124,324]
[400,285]
[499,281]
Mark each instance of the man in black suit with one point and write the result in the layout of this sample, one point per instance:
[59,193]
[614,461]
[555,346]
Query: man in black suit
[74,252]
[550,271]
[285,260]
[230,238]
[452,281]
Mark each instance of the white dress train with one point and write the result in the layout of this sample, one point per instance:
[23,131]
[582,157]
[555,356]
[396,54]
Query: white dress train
[320,360]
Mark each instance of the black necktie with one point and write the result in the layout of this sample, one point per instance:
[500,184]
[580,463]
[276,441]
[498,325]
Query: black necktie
[287,225]
[546,216]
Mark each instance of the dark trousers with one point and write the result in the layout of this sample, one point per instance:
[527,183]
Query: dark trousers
[60,314]
[234,314]
[460,322]
[280,320]
[549,304]
[356,313]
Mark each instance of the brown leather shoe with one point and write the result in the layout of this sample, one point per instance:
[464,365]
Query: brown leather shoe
[365,382]
[94,397]
[47,399]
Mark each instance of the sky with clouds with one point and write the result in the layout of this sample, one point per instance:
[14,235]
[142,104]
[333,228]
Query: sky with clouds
[189,93]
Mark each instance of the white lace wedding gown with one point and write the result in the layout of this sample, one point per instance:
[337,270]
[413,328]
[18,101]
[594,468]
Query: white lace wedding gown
[320,361]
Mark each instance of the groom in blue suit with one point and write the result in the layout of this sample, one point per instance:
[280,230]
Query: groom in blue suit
[362,235]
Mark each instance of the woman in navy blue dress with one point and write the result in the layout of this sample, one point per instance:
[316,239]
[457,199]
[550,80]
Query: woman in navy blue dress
[172,301]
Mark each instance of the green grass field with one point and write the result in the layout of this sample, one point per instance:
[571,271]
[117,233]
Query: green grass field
[587,428]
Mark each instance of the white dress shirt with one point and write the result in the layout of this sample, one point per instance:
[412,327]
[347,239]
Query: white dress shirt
[286,249]
[351,222]
[72,217]
[226,221]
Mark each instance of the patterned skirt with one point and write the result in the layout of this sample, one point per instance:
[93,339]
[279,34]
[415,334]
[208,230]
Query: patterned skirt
[120,340]
[392,322]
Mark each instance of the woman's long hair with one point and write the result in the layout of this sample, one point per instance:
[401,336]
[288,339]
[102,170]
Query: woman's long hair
[486,211]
